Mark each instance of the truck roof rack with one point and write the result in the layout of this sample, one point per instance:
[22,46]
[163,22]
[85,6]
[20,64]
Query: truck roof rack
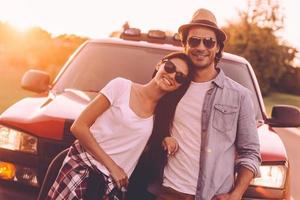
[152,36]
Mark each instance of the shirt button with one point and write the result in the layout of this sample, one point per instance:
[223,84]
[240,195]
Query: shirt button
[208,150]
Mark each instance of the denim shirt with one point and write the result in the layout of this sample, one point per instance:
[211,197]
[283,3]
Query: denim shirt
[229,137]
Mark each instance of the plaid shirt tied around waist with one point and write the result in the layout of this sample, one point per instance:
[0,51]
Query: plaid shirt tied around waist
[72,180]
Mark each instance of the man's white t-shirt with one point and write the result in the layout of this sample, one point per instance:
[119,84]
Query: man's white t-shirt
[119,131]
[181,171]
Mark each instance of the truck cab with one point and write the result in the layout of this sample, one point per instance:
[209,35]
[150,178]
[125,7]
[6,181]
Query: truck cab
[35,129]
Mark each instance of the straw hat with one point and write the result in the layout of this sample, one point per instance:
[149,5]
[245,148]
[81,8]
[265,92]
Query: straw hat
[204,18]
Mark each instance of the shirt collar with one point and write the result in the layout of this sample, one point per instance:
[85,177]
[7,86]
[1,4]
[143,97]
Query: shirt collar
[219,80]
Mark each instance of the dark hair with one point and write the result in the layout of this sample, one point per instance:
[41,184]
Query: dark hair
[163,121]
[220,43]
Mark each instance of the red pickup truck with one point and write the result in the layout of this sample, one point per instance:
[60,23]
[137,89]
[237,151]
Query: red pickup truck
[34,130]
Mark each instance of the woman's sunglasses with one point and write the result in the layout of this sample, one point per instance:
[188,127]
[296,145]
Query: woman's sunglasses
[207,42]
[170,68]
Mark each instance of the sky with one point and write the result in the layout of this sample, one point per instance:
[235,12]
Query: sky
[98,18]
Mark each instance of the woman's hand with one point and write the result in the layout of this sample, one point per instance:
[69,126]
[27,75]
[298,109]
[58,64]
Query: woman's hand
[119,176]
[170,145]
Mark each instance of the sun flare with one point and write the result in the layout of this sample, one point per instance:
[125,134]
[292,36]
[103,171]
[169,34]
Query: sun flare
[21,26]
[19,14]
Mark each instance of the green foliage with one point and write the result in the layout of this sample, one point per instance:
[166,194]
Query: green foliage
[290,81]
[254,37]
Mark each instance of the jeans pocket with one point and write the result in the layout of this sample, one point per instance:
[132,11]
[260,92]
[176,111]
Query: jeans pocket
[224,117]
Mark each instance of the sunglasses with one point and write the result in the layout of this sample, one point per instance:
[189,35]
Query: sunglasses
[207,42]
[170,68]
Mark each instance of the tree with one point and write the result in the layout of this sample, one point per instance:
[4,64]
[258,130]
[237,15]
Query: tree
[254,37]
[35,48]
[264,13]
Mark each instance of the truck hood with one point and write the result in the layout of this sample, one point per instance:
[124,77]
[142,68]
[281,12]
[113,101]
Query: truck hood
[271,146]
[46,116]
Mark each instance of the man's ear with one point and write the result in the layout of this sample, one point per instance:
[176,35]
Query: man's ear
[185,48]
[157,67]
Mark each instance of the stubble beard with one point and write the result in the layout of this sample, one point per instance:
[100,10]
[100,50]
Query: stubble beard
[202,66]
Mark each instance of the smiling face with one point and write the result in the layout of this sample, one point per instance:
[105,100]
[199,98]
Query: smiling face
[168,77]
[202,53]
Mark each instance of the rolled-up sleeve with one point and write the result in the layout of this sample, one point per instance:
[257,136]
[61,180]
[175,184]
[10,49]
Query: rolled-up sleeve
[247,141]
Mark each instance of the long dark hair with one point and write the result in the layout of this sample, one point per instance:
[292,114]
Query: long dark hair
[163,121]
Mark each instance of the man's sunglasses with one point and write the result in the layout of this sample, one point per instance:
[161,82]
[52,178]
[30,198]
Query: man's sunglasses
[195,41]
[170,68]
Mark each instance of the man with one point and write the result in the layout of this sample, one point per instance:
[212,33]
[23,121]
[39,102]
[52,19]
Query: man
[214,124]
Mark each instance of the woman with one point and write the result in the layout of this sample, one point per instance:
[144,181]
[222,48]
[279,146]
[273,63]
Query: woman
[114,128]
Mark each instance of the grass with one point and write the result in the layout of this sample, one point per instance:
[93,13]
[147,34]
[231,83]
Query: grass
[276,98]
[10,87]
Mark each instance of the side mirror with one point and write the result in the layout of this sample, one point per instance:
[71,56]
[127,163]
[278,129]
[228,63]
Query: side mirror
[284,116]
[36,81]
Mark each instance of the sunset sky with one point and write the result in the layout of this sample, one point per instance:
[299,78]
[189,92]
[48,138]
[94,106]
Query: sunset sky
[97,18]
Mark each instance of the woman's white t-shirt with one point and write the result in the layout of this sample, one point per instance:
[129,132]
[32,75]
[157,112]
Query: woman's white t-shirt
[120,132]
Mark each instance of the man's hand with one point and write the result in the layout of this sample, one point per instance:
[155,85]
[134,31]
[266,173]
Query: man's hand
[228,196]
[243,180]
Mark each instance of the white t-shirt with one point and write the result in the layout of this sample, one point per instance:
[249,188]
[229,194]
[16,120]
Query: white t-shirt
[181,172]
[119,131]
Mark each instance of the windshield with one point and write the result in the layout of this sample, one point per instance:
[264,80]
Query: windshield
[98,63]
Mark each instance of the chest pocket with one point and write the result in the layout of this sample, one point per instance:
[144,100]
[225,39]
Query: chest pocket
[224,117]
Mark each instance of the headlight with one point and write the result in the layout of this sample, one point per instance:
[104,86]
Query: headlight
[16,140]
[271,176]
[12,172]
